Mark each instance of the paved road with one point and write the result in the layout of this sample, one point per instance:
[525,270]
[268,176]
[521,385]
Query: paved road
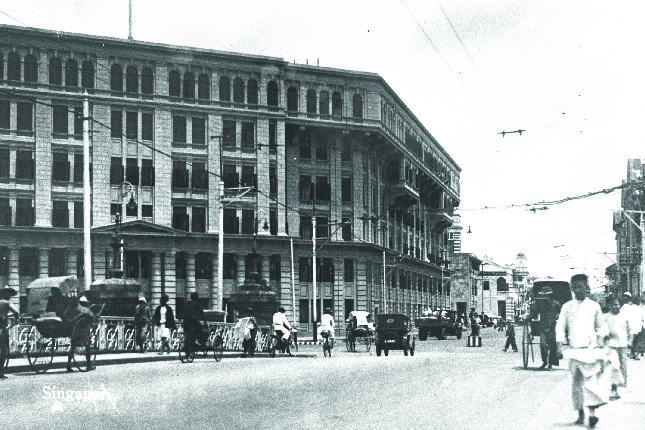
[444,386]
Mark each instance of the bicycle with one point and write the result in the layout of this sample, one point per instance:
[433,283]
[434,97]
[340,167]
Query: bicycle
[278,344]
[326,343]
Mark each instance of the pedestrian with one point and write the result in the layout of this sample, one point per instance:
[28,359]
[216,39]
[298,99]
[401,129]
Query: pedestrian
[636,324]
[78,308]
[619,339]
[141,323]
[579,325]
[548,310]
[634,316]
[640,349]
[510,336]
[6,307]
[250,333]
[164,319]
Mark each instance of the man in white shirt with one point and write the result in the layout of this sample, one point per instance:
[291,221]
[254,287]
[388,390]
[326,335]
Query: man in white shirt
[580,324]
[281,325]
[327,324]
[631,309]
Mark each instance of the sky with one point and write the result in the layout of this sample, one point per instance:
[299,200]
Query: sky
[569,73]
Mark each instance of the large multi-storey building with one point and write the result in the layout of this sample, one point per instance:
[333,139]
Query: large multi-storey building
[168,124]
[627,225]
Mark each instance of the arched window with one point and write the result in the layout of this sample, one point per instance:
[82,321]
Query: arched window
[311,101]
[55,72]
[292,99]
[131,80]
[224,89]
[116,78]
[147,81]
[272,94]
[357,102]
[203,87]
[174,84]
[336,105]
[13,67]
[324,103]
[189,85]
[238,90]
[252,92]
[87,75]
[71,73]
[31,69]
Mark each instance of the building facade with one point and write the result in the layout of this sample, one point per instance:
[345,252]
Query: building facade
[627,225]
[291,144]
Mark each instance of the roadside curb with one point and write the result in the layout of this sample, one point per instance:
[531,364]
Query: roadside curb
[21,365]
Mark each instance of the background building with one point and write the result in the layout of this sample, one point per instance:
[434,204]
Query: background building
[627,273]
[168,124]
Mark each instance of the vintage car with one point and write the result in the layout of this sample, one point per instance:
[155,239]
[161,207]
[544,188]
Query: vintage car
[393,332]
[440,324]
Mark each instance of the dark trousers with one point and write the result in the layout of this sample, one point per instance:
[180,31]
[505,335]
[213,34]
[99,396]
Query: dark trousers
[140,334]
[4,348]
[549,349]
[510,340]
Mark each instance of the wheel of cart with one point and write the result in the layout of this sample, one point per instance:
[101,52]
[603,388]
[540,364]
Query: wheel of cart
[363,337]
[59,319]
[560,291]
[527,343]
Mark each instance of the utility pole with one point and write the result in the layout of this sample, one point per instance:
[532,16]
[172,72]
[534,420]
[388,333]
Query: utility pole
[220,248]
[313,271]
[87,202]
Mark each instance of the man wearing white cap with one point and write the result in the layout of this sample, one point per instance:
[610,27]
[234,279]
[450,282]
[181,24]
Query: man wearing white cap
[141,321]
[633,314]
[6,307]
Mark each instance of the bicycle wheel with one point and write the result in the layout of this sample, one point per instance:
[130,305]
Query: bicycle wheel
[83,344]
[218,348]
[526,340]
[184,355]
[40,350]
[368,342]
[273,346]
[292,347]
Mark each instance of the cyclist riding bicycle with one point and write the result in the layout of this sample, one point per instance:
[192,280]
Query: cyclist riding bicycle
[327,326]
[281,327]
[193,329]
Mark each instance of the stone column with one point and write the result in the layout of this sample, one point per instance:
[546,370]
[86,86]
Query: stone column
[155,278]
[215,300]
[71,260]
[13,280]
[264,262]
[43,262]
[241,272]
[170,276]
[190,273]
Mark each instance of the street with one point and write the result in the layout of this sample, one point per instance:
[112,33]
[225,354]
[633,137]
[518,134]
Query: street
[446,385]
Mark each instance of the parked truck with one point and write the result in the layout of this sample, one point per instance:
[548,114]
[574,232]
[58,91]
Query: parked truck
[437,323]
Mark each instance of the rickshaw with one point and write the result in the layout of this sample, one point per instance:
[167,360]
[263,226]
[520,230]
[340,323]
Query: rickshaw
[561,292]
[210,339]
[360,329]
[54,334]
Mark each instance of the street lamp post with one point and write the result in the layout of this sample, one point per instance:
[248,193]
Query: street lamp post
[117,242]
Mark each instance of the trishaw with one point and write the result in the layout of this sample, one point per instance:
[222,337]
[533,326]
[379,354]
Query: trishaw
[210,339]
[561,292]
[360,329]
[55,333]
